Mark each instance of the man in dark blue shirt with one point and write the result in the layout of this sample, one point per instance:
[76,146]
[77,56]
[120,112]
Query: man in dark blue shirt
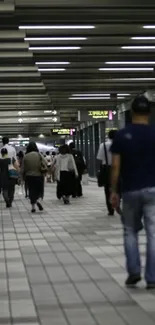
[133,157]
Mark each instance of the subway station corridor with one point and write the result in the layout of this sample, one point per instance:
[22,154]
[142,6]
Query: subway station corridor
[65,266]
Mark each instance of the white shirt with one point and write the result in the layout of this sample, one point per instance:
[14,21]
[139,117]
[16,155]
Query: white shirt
[48,160]
[101,153]
[65,163]
[11,151]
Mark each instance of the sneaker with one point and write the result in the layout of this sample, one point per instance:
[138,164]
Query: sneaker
[33,210]
[150,286]
[132,280]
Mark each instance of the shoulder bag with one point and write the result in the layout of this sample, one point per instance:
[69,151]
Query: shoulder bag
[43,165]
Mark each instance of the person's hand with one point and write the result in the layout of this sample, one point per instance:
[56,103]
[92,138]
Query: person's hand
[114,199]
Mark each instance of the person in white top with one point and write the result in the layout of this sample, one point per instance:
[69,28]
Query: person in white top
[105,157]
[10,149]
[66,173]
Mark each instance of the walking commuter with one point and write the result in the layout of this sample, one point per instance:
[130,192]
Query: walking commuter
[10,149]
[66,173]
[6,181]
[48,159]
[105,158]
[81,166]
[34,168]
[133,156]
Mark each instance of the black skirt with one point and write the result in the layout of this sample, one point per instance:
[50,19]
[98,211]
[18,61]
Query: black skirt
[35,186]
[66,184]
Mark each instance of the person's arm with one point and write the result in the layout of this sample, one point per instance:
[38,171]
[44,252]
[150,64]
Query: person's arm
[116,150]
[115,171]
[16,165]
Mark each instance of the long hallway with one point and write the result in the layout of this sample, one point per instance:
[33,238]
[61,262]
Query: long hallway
[66,266]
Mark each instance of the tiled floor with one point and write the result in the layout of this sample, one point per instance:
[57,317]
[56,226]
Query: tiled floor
[66,266]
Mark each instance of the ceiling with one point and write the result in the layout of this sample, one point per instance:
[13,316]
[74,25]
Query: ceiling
[30,95]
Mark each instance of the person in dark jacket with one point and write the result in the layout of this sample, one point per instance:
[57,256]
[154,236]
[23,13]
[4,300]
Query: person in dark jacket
[81,166]
[7,183]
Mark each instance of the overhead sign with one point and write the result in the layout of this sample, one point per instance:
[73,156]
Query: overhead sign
[96,115]
[63,131]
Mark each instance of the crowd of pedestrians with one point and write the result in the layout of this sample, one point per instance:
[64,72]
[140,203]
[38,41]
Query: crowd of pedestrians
[127,173]
[32,169]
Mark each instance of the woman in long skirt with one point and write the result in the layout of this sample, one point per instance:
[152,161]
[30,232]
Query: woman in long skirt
[66,173]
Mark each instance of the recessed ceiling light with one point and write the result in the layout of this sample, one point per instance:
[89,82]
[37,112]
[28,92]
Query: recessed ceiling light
[54,69]
[86,95]
[54,48]
[130,62]
[55,38]
[58,27]
[149,27]
[51,63]
[141,38]
[138,47]
[89,98]
[126,69]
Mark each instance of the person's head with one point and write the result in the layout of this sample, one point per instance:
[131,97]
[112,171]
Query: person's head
[21,154]
[4,152]
[32,147]
[111,134]
[64,149]
[47,153]
[141,108]
[72,146]
[5,140]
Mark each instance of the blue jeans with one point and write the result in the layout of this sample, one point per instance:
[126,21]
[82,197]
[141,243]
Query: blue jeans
[137,205]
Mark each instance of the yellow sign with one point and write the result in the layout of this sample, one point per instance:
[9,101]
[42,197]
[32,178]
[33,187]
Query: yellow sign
[107,130]
[61,131]
[98,114]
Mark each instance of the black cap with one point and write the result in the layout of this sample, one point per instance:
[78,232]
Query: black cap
[141,105]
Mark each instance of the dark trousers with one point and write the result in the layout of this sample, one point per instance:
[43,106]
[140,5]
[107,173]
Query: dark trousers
[26,188]
[107,196]
[8,193]
[78,187]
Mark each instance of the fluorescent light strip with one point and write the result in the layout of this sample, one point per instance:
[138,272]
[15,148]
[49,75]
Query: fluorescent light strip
[59,27]
[91,95]
[130,79]
[126,69]
[89,98]
[54,48]
[138,47]
[130,62]
[54,69]
[149,27]
[141,38]
[55,38]
[52,63]
[123,94]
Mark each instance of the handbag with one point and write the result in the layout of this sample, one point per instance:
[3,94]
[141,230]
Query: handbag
[13,173]
[104,172]
[43,165]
